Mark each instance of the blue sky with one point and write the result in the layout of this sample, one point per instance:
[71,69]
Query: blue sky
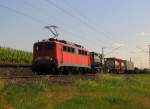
[92,23]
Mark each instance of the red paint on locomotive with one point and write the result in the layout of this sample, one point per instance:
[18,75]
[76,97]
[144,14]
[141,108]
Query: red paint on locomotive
[60,53]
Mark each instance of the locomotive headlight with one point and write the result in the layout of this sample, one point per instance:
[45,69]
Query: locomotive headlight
[51,59]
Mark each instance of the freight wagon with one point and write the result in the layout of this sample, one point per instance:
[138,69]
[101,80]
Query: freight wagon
[114,65]
[129,66]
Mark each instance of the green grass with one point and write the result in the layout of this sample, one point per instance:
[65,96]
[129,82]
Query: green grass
[26,96]
[84,102]
[12,56]
[108,92]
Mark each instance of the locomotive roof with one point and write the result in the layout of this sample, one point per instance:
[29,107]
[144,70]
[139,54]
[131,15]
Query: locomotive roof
[63,42]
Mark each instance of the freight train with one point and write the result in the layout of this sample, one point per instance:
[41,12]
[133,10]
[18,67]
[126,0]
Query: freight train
[55,56]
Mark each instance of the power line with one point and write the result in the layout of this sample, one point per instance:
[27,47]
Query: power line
[113,50]
[142,49]
[24,14]
[89,20]
[81,36]
[68,13]
[145,52]
[73,16]
[40,21]
[21,13]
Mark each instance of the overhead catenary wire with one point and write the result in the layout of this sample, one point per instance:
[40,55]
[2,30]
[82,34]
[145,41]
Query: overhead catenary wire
[147,52]
[75,17]
[70,14]
[106,33]
[96,42]
[25,15]
[113,50]
[81,36]
[142,49]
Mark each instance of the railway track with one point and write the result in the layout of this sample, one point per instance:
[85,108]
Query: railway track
[51,79]
[47,76]
[35,76]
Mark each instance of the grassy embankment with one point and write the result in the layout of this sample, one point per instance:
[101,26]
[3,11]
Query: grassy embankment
[12,56]
[109,92]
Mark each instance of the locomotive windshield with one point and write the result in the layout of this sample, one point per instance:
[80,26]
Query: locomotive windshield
[44,46]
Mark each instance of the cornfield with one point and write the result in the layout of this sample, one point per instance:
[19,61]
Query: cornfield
[13,56]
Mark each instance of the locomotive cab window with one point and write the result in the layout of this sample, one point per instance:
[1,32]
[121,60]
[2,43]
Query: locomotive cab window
[72,50]
[86,53]
[69,49]
[82,52]
[38,47]
[64,48]
[79,51]
[49,46]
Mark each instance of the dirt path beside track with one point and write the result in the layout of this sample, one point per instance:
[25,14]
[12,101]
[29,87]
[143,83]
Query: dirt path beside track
[15,71]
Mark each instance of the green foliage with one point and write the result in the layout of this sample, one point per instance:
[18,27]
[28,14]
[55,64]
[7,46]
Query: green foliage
[80,102]
[114,100]
[108,92]
[83,102]
[26,96]
[87,85]
[12,56]
[2,84]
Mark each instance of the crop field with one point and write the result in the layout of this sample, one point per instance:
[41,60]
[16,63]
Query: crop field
[107,92]
[12,56]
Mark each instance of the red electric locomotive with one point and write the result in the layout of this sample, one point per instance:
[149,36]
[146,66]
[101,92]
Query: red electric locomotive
[59,56]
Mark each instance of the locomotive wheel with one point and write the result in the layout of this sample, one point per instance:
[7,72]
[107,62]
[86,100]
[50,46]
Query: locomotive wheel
[60,70]
[54,71]
[65,71]
[84,71]
[74,70]
[38,73]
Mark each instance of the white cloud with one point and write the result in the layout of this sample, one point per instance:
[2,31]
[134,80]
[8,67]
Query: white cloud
[144,33]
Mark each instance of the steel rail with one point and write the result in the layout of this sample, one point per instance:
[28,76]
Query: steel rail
[46,76]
